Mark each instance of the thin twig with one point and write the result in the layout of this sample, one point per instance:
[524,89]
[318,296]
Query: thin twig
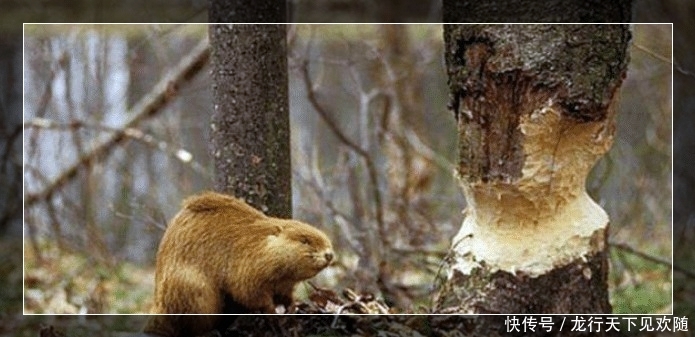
[656,259]
[341,219]
[651,53]
[659,57]
[179,153]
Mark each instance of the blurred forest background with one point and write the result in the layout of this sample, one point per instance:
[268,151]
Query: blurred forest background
[102,178]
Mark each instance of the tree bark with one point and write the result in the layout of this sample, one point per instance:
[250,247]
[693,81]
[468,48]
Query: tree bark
[10,135]
[257,11]
[549,11]
[535,110]
[250,123]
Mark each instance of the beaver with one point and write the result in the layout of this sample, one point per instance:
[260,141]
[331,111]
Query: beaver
[218,250]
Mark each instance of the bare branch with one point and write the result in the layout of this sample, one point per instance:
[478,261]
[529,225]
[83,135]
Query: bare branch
[340,218]
[656,259]
[419,147]
[343,138]
[651,53]
[151,104]
[179,153]
[662,58]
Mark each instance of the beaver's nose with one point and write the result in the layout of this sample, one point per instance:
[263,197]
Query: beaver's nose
[329,256]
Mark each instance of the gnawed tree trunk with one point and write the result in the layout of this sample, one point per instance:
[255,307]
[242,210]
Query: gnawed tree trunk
[250,129]
[535,107]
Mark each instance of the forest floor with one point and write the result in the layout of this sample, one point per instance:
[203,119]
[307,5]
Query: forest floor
[71,283]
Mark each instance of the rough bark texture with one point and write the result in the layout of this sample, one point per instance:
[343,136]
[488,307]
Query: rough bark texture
[578,288]
[352,11]
[534,106]
[549,11]
[515,69]
[250,124]
[257,11]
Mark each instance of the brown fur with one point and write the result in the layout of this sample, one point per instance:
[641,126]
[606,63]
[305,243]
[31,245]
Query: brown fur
[218,247]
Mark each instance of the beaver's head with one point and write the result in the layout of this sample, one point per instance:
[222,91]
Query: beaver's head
[304,250]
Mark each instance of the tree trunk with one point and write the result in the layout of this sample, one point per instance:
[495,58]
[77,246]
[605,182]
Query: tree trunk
[10,134]
[257,11]
[535,110]
[250,124]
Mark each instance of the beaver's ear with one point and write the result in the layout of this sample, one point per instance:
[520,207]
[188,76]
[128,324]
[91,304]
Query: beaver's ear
[277,229]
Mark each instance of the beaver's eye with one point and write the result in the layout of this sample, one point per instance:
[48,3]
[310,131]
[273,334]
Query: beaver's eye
[305,240]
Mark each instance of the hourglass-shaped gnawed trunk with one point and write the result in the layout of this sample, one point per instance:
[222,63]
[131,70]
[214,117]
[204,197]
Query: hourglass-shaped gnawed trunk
[535,110]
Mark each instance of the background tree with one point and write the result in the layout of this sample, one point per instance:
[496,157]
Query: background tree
[250,128]
[535,108]
[10,128]
[10,168]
